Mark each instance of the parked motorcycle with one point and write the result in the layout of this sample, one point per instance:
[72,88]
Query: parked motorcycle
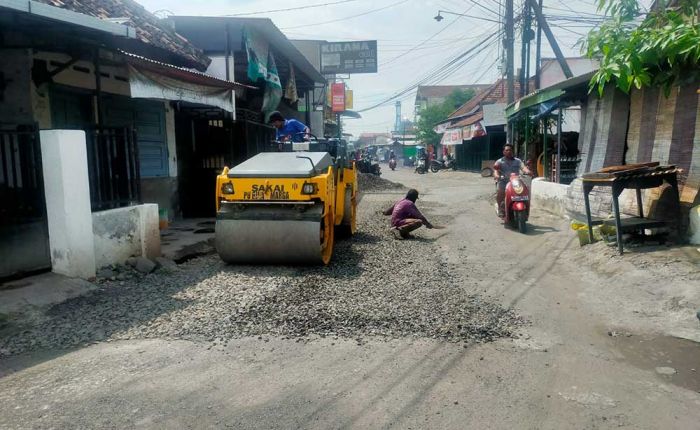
[516,204]
[369,165]
[421,166]
[446,164]
[392,163]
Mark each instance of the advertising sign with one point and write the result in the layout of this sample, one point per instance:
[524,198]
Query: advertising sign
[349,57]
[452,136]
[338,97]
[471,131]
[348,99]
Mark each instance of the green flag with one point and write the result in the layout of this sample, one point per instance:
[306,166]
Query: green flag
[273,87]
[257,50]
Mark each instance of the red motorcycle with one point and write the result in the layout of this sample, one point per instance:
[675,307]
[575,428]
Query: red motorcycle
[392,163]
[516,203]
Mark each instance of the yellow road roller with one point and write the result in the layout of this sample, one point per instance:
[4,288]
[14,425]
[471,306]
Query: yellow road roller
[285,207]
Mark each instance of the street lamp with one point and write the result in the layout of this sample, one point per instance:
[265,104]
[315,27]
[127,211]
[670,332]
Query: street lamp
[439,16]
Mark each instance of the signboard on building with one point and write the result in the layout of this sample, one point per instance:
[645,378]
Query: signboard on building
[348,99]
[349,57]
[338,97]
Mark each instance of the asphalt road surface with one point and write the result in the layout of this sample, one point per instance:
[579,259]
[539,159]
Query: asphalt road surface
[571,361]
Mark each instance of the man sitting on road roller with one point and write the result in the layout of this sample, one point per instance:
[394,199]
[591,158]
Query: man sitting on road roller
[405,216]
[289,129]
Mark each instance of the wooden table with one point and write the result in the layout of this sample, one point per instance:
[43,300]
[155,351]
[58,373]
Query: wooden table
[637,181]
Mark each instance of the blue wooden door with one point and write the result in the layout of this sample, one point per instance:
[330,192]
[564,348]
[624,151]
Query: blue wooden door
[148,119]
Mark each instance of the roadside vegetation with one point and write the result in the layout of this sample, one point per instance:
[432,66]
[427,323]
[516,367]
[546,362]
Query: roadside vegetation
[438,113]
[662,49]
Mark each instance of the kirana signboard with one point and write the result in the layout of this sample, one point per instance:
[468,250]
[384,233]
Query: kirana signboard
[349,57]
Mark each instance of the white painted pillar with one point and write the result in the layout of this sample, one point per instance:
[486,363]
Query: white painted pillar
[67,188]
[150,230]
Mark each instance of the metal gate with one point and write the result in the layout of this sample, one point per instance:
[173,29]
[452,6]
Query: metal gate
[113,168]
[24,236]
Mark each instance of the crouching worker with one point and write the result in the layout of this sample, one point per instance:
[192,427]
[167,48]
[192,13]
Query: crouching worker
[405,216]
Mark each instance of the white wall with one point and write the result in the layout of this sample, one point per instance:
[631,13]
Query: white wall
[552,73]
[125,232]
[116,83]
[66,185]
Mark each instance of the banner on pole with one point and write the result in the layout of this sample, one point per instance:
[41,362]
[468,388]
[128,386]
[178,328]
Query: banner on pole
[338,97]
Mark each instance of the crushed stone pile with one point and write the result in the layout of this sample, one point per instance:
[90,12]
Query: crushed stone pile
[374,287]
[368,182]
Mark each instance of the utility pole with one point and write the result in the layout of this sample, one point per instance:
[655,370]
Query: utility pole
[538,55]
[542,22]
[525,51]
[510,51]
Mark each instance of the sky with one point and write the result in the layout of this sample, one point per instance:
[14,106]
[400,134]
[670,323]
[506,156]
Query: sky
[411,44]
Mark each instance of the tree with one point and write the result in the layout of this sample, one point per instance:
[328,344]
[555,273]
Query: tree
[662,50]
[432,115]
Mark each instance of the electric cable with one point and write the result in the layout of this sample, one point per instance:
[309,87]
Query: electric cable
[292,8]
[426,40]
[347,17]
[439,72]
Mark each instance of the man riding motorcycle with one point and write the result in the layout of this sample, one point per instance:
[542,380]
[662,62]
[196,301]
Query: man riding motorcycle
[501,173]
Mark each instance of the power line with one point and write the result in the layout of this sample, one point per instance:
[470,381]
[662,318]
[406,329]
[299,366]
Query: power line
[408,51]
[347,17]
[292,8]
[441,71]
[484,7]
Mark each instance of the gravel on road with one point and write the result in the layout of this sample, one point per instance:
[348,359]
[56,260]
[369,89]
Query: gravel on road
[368,182]
[374,286]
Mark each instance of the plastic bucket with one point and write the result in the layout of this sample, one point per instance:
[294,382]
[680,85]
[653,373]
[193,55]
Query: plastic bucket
[163,218]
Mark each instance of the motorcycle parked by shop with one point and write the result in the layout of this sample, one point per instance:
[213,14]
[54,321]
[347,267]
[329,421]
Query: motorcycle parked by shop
[421,166]
[516,204]
[448,163]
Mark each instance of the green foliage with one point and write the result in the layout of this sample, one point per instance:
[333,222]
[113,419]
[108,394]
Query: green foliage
[432,115]
[662,50]
[458,97]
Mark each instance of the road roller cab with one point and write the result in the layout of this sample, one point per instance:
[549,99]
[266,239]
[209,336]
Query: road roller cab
[284,207]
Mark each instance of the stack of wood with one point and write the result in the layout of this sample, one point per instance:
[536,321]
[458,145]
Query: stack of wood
[627,170]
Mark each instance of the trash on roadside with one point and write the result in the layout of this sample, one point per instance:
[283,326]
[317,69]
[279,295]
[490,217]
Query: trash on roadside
[600,232]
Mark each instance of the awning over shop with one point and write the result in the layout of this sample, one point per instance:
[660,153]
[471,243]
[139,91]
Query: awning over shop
[553,92]
[532,100]
[351,114]
[150,79]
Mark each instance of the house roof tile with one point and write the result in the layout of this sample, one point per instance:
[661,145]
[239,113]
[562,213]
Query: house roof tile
[149,29]
[496,93]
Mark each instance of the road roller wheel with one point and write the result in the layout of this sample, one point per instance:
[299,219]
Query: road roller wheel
[349,225]
[327,237]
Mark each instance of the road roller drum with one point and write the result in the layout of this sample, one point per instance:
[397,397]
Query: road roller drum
[284,207]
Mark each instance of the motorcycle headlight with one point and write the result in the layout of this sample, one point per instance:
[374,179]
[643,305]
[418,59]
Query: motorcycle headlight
[518,187]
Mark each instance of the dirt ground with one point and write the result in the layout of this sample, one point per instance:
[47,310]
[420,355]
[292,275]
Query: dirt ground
[607,343]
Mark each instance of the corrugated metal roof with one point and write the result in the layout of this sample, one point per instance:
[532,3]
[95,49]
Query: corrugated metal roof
[182,73]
